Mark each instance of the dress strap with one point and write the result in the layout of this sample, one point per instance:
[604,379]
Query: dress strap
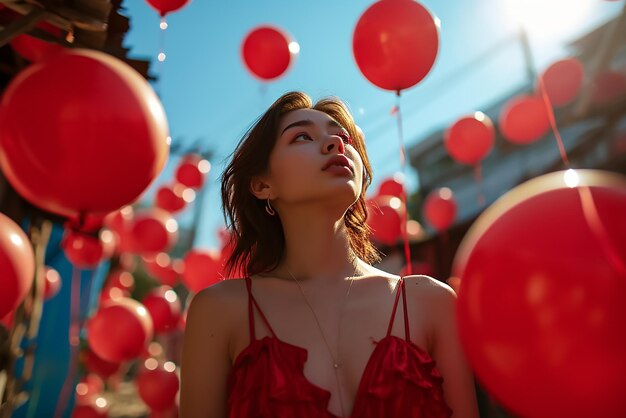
[401,289]
[252,301]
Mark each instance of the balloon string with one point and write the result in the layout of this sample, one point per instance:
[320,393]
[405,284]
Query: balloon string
[74,330]
[594,221]
[552,119]
[405,237]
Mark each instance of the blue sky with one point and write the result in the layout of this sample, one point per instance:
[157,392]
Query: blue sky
[209,95]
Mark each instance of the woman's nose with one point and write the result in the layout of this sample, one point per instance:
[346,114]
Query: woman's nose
[333,143]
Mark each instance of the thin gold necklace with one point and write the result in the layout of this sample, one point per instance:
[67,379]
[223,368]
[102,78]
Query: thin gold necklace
[336,362]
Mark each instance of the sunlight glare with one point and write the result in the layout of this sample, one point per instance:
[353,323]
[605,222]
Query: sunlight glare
[547,18]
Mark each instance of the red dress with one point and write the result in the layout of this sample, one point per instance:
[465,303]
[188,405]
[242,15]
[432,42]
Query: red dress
[399,380]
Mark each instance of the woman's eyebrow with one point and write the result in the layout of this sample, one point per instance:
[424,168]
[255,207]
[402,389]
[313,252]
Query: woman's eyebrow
[308,122]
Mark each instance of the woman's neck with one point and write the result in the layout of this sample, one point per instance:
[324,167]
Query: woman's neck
[317,247]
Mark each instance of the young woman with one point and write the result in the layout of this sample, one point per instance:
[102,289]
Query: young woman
[313,329]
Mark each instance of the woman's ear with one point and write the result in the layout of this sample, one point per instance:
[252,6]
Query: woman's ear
[259,188]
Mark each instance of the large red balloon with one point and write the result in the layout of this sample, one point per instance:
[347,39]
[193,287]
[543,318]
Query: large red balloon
[562,81]
[470,138]
[440,208]
[164,307]
[119,330]
[17,265]
[158,387]
[153,231]
[266,52]
[167,6]
[100,136]
[395,43]
[202,269]
[541,302]
[385,215]
[524,119]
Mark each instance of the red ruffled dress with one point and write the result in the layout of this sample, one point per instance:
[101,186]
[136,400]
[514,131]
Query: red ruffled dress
[400,379]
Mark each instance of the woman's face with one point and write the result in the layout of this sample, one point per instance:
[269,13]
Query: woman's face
[299,171]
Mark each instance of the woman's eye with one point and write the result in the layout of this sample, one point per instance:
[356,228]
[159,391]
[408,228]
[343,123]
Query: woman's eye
[346,137]
[304,136]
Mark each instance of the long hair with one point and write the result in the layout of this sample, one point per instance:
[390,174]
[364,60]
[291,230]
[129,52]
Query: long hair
[257,240]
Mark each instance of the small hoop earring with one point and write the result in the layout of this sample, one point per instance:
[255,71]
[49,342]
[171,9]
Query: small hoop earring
[269,209]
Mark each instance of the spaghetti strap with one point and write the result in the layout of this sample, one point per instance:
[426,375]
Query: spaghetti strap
[401,289]
[251,301]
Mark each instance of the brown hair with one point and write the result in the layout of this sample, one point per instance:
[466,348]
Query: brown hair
[256,239]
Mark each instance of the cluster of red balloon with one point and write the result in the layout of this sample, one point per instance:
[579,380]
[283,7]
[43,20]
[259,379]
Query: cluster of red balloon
[189,176]
[526,118]
[387,213]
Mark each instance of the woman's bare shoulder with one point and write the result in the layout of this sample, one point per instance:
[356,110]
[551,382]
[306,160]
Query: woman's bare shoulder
[225,296]
[428,289]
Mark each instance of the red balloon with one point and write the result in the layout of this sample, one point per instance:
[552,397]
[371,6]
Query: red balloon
[440,208]
[85,250]
[52,283]
[164,307]
[93,407]
[393,186]
[35,49]
[89,386]
[164,269]
[167,6]
[17,265]
[470,139]
[158,387]
[121,279]
[170,198]
[385,215]
[78,158]
[524,119]
[120,223]
[562,81]
[99,366]
[395,43]
[266,52]
[119,330]
[608,86]
[153,231]
[202,269]
[192,171]
[542,289]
